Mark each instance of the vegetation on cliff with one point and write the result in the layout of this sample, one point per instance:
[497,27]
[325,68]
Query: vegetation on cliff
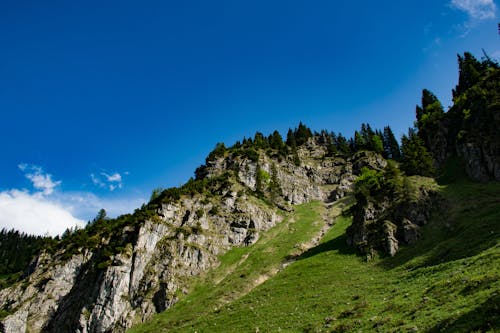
[305,274]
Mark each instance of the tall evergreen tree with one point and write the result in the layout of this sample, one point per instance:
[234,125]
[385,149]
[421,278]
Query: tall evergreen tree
[415,160]
[469,69]
[359,141]
[17,249]
[260,140]
[290,138]
[331,144]
[302,134]
[428,117]
[367,133]
[342,144]
[391,145]
[376,144]
[275,140]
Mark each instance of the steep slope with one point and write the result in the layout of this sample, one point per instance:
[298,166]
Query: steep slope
[119,272]
[449,281]
[241,239]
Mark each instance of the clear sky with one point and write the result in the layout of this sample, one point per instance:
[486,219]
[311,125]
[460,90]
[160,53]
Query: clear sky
[102,101]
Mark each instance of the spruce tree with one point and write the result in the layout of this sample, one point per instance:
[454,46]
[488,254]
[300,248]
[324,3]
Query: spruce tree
[391,145]
[415,160]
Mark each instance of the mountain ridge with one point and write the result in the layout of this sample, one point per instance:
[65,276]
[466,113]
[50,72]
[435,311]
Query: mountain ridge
[116,273]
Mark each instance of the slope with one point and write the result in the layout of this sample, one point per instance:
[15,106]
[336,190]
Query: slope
[448,281]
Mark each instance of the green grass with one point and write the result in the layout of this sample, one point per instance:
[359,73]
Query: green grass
[447,282]
[242,269]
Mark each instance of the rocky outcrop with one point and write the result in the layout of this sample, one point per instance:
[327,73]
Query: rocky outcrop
[78,296]
[37,298]
[482,161]
[383,224]
[184,237]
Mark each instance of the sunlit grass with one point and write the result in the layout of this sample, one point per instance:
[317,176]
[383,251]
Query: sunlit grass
[448,281]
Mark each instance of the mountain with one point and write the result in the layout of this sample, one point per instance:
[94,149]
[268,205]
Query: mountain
[313,233]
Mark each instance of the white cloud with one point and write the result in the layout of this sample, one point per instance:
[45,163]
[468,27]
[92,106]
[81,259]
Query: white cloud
[110,181]
[476,9]
[86,205]
[50,211]
[41,180]
[116,177]
[96,180]
[34,214]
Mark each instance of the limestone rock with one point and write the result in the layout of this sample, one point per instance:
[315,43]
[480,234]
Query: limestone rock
[96,291]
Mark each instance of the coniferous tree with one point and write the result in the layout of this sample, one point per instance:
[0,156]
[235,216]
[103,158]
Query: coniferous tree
[367,133]
[428,117]
[352,145]
[275,140]
[103,215]
[260,140]
[391,145]
[258,180]
[331,145]
[218,151]
[342,144]
[359,141]
[469,73]
[17,249]
[290,138]
[415,160]
[376,144]
[302,134]
[274,184]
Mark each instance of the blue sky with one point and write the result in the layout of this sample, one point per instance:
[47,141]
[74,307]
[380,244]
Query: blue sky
[103,101]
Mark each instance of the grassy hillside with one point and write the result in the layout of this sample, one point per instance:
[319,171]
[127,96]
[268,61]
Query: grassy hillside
[447,282]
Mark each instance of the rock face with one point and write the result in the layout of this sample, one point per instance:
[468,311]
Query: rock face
[77,296]
[469,129]
[79,292]
[482,161]
[382,224]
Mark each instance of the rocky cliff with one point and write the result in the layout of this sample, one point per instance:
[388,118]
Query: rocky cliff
[469,129]
[385,220]
[112,279]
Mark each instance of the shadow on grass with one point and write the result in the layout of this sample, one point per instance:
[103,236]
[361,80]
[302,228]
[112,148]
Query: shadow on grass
[486,317]
[464,227]
[337,244]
